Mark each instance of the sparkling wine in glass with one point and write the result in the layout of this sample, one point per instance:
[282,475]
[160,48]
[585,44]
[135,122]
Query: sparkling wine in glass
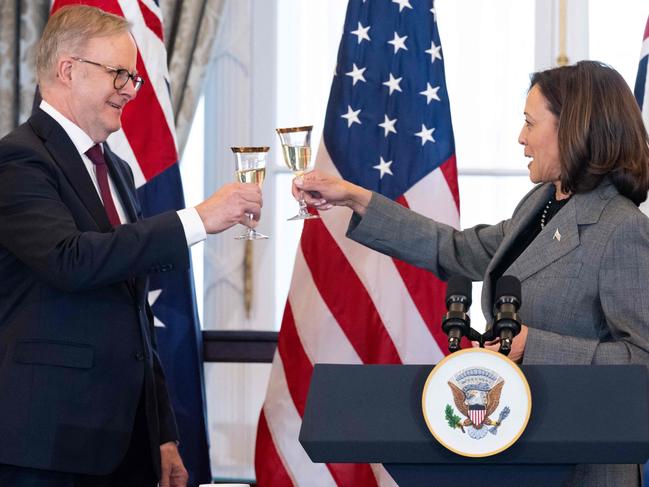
[296,146]
[250,167]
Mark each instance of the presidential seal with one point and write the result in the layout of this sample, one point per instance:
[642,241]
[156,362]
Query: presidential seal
[476,402]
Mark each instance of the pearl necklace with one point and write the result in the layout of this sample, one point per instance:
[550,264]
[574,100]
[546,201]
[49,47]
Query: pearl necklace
[545,213]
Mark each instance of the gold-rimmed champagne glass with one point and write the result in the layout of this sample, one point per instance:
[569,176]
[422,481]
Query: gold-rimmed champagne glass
[296,146]
[250,167]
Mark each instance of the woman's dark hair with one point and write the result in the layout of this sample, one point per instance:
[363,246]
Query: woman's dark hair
[601,133]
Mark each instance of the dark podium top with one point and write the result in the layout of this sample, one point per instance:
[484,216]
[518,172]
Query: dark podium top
[580,414]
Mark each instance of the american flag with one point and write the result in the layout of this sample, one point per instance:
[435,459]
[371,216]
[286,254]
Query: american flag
[147,141]
[387,128]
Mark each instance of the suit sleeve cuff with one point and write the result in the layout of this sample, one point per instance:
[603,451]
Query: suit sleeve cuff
[192,225]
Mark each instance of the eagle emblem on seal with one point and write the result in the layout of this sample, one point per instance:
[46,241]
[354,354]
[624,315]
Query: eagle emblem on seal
[476,394]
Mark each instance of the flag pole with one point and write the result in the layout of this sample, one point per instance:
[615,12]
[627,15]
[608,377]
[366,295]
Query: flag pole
[562,59]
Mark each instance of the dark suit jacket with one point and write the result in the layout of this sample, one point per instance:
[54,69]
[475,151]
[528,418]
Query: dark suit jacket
[77,347]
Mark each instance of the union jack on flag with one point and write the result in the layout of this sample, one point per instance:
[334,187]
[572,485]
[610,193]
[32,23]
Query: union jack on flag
[387,128]
[147,142]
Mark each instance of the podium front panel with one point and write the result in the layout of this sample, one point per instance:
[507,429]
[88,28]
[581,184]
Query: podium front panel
[580,414]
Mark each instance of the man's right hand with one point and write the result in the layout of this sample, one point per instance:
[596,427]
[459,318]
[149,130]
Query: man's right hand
[231,205]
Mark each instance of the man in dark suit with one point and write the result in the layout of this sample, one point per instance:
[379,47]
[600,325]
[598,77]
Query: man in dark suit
[83,400]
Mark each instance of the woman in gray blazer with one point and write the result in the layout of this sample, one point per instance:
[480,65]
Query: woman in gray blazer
[577,241]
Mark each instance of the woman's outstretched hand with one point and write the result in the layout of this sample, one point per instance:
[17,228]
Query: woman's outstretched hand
[324,191]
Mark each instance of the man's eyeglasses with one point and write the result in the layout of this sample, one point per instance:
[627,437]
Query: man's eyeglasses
[121,75]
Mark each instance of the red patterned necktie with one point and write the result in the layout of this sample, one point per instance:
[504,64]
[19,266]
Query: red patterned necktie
[97,157]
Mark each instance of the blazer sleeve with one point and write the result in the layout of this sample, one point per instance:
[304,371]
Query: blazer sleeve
[399,232]
[624,298]
[39,228]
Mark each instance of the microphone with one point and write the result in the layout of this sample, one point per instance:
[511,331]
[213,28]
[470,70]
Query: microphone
[506,323]
[456,323]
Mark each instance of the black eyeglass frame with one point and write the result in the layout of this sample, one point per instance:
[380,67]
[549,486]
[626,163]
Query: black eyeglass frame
[136,79]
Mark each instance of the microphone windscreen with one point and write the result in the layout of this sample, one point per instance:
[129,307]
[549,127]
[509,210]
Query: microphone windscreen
[508,286]
[459,286]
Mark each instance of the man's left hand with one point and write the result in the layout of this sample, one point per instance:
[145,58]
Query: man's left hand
[174,473]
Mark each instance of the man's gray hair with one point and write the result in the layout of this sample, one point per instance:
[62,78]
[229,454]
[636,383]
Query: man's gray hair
[68,29]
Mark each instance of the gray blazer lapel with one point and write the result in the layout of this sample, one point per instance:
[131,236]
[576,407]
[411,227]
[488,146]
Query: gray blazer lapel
[561,234]
[521,218]
[559,237]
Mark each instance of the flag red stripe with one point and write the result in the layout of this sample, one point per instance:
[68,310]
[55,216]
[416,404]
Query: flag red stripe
[449,170]
[297,366]
[151,20]
[349,302]
[110,6]
[268,465]
[427,292]
[151,138]
[298,370]
[352,474]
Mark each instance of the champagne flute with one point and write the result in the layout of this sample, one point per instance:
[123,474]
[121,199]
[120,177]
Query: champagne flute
[250,164]
[296,146]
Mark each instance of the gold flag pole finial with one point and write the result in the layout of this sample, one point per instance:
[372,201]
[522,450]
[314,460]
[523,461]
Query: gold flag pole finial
[562,59]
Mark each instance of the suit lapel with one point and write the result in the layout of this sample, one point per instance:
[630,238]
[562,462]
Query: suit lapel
[527,212]
[65,155]
[126,193]
[559,237]
[122,186]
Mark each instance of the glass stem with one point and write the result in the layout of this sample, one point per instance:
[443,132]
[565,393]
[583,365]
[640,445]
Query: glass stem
[302,203]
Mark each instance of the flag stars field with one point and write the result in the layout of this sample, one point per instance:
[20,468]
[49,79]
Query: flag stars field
[393,83]
[430,93]
[426,134]
[357,74]
[434,52]
[403,4]
[362,33]
[352,116]
[398,42]
[383,167]
[388,125]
